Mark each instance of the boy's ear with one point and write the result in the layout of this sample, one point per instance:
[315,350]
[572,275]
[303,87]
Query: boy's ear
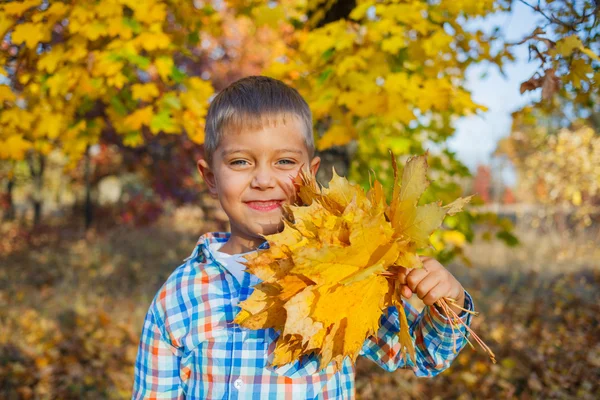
[208,176]
[314,165]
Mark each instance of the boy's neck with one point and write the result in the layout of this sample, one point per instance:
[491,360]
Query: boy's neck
[237,244]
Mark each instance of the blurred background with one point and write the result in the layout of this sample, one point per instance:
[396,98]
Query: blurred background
[102,107]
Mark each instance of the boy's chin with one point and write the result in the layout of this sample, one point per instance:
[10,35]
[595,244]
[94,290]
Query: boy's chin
[268,229]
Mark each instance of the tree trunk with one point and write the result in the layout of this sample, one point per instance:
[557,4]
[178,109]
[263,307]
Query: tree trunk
[37,174]
[88,208]
[336,157]
[340,9]
[10,209]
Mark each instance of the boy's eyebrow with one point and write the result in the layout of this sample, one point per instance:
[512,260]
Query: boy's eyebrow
[227,152]
[289,151]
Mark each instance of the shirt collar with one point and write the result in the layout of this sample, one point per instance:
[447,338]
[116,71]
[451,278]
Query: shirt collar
[215,237]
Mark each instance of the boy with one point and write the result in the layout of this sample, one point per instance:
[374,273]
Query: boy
[258,134]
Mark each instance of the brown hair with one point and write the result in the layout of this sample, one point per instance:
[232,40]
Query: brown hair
[253,102]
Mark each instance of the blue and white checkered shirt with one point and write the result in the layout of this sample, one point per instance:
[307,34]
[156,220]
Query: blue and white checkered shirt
[190,349]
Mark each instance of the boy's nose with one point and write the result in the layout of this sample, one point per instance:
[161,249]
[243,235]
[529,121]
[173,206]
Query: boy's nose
[263,179]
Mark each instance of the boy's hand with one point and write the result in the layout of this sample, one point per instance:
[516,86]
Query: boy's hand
[431,283]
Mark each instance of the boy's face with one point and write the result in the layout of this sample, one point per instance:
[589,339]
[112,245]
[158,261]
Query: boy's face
[251,174]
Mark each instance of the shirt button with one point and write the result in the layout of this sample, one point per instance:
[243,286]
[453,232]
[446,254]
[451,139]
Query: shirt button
[238,384]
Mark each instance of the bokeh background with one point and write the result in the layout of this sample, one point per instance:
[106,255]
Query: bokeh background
[102,107]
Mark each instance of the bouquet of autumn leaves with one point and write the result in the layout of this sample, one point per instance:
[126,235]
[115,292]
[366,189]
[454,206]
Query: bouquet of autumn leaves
[328,277]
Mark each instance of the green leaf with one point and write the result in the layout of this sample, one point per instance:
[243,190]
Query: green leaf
[162,122]
[193,38]
[177,74]
[296,23]
[140,61]
[118,105]
[508,238]
[451,221]
[133,24]
[327,54]
[208,10]
[324,75]
[133,139]
[171,101]
[399,145]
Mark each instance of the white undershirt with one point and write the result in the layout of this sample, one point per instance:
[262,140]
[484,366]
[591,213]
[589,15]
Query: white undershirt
[232,262]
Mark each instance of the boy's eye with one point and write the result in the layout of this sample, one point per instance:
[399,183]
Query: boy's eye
[238,162]
[286,161]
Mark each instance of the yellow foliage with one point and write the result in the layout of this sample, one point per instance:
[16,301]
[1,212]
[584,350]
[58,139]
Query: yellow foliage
[52,126]
[139,118]
[386,65]
[98,62]
[30,34]
[322,285]
[152,41]
[337,135]
[567,45]
[16,8]
[5,24]
[455,238]
[149,13]
[6,94]
[50,61]
[164,65]
[145,92]
[268,15]
[14,148]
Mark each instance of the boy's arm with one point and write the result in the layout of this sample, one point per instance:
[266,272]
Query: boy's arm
[434,340]
[157,364]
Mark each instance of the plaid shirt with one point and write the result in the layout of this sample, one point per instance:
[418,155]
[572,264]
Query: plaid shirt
[190,348]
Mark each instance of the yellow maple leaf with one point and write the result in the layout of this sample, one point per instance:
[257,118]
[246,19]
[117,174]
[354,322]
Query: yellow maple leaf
[5,23]
[15,147]
[18,8]
[50,61]
[567,45]
[330,274]
[139,118]
[144,92]
[30,34]
[153,40]
[6,94]
[164,66]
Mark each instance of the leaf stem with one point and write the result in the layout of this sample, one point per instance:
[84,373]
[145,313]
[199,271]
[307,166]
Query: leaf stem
[456,320]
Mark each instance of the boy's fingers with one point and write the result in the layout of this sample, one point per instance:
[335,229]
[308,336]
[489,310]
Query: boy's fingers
[414,277]
[430,263]
[436,293]
[402,272]
[426,285]
[406,292]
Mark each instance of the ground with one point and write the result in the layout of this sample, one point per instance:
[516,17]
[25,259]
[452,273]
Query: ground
[72,306]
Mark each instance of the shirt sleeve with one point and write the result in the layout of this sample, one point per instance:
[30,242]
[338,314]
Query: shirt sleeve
[436,345]
[157,372]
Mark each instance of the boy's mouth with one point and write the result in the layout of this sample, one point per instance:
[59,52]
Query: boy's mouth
[267,205]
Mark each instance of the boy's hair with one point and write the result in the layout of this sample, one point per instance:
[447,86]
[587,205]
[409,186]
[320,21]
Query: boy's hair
[253,102]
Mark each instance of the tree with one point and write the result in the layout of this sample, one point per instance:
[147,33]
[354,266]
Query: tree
[76,70]
[377,75]
[559,168]
[566,45]
[386,75]
[553,142]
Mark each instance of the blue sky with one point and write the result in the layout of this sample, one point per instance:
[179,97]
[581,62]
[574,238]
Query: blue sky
[476,136]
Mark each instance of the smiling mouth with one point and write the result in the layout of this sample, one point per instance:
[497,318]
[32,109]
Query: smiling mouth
[264,205]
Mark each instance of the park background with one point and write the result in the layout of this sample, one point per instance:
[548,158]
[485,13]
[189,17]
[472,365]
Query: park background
[102,107]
